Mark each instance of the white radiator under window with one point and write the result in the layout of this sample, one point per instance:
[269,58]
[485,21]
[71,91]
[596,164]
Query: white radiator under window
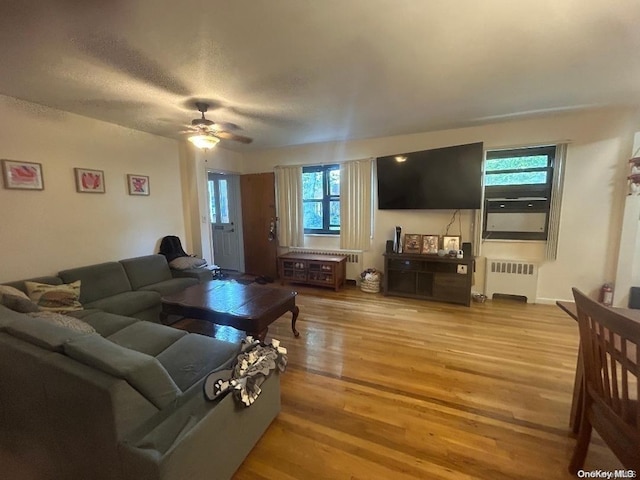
[354,259]
[511,277]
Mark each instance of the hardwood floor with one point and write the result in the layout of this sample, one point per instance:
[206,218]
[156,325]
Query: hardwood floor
[388,388]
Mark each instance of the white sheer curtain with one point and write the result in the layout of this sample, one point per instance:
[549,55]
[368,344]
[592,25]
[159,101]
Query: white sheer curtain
[551,249]
[289,204]
[356,179]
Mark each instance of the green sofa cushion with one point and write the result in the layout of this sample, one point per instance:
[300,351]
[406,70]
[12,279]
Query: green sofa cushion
[194,356]
[167,287]
[8,316]
[200,274]
[98,281]
[146,270]
[127,303]
[106,323]
[145,337]
[143,372]
[43,333]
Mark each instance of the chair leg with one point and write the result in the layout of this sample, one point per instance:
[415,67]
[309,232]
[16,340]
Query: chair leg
[582,445]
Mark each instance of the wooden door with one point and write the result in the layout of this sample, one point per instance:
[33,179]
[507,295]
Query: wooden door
[258,220]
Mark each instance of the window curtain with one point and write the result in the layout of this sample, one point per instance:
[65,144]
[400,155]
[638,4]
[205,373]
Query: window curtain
[356,179]
[289,204]
[551,249]
[476,233]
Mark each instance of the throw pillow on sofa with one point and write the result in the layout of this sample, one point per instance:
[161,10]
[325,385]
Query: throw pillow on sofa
[55,298]
[18,304]
[185,263]
[7,290]
[64,321]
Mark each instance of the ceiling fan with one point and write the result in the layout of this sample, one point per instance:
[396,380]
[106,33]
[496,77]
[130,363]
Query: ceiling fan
[208,133]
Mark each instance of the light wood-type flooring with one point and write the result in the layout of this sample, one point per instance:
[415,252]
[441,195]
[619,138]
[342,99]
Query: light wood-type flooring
[391,388]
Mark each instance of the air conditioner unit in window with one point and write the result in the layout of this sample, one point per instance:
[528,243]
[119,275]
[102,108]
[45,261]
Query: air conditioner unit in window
[517,215]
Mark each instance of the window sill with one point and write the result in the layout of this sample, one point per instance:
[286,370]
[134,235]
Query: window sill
[321,234]
[510,240]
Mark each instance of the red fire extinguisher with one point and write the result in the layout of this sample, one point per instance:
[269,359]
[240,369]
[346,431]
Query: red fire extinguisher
[606,295]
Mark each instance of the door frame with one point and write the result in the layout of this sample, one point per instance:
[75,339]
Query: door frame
[235,176]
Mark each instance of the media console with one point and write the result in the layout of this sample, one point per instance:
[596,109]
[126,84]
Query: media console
[428,277]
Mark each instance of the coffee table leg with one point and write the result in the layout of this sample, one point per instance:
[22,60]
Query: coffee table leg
[295,311]
[259,335]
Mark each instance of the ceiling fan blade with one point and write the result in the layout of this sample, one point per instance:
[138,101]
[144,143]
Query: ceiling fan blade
[232,136]
[225,126]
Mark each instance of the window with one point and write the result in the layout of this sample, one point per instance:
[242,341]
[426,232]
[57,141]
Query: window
[321,199]
[517,192]
[219,200]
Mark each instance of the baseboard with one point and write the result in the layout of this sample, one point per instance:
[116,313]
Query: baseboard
[550,301]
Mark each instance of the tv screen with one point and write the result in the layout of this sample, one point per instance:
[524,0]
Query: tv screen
[442,178]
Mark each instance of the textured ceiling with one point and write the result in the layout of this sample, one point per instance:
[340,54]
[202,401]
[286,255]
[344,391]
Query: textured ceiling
[299,71]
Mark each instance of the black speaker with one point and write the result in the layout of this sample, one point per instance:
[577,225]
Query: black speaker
[389,246]
[466,249]
[634,297]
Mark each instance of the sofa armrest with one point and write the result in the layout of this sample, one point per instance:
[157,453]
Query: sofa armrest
[200,274]
[201,439]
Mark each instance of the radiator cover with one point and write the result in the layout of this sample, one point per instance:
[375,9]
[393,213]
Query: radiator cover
[511,277]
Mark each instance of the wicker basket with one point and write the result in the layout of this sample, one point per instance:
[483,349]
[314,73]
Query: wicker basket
[370,286]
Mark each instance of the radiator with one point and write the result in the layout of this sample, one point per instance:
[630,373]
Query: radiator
[354,259]
[511,277]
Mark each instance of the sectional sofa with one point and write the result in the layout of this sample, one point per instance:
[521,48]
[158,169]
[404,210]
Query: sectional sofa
[123,401]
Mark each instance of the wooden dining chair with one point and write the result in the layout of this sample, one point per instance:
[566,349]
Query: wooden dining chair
[609,343]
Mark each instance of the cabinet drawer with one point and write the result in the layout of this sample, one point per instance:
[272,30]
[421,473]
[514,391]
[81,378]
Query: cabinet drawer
[320,267]
[295,265]
[450,281]
[397,264]
[453,288]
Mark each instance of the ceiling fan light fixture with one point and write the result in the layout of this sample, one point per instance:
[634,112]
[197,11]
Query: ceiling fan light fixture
[204,141]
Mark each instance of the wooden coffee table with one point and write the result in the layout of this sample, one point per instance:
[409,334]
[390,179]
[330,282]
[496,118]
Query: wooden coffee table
[251,308]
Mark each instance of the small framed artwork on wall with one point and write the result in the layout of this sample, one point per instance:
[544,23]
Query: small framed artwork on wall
[138,184]
[412,243]
[451,242]
[22,175]
[89,181]
[430,244]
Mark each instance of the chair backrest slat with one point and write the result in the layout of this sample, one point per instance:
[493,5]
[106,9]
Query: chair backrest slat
[610,350]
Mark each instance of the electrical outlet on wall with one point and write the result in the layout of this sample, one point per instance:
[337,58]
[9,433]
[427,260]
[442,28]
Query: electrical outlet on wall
[462,269]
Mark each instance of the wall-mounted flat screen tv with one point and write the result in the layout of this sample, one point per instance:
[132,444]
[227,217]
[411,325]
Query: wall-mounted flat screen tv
[442,178]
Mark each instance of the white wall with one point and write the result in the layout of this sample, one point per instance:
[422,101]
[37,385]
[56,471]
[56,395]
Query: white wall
[42,232]
[628,271]
[595,187]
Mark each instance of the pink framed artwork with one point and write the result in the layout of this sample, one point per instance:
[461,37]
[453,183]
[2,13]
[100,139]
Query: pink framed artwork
[138,184]
[22,175]
[89,181]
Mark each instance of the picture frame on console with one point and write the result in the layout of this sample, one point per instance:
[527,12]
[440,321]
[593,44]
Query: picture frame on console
[451,242]
[430,244]
[89,181]
[22,175]
[412,243]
